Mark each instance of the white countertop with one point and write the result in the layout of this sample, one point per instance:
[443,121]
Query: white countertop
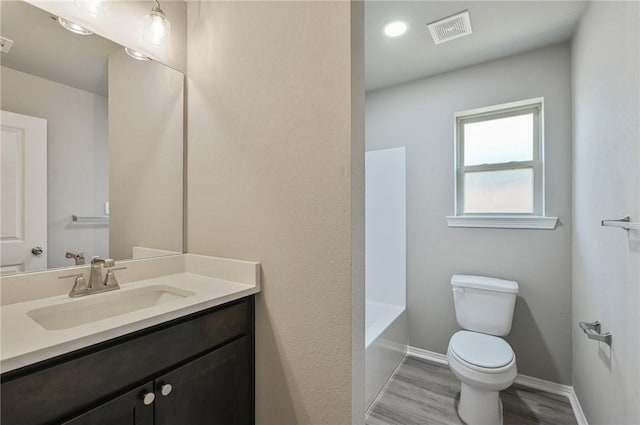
[24,341]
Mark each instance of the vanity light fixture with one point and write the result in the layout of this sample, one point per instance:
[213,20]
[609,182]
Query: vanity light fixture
[73,27]
[136,54]
[93,8]
[396,28]
[157,27]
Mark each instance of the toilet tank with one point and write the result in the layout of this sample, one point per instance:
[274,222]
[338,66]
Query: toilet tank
[484,304]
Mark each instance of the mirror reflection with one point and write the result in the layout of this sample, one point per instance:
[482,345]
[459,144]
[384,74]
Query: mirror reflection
[92,147]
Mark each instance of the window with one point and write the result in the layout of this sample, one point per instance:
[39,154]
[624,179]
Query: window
[499,167]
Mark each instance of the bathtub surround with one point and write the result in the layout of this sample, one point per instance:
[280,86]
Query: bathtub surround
[419,115]
[275,165]
[386,226]
[606,261]
[386,333]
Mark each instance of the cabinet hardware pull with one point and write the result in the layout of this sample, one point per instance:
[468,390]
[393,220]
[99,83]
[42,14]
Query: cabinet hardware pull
[165,389]
[148,398]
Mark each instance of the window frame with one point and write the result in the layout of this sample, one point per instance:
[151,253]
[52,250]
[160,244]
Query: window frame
[536,164]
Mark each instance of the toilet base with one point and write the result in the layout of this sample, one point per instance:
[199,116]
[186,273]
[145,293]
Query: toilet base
[479,407]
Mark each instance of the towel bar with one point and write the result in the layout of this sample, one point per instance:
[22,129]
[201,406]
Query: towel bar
[624,222]
[103,219]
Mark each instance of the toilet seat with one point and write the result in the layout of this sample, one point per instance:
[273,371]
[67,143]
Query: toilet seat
[481,352]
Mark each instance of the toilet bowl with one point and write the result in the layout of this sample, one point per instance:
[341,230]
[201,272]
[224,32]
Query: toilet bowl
[485,365]
[483,362]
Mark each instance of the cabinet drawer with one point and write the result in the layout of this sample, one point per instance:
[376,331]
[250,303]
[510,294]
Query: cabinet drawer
[80,379]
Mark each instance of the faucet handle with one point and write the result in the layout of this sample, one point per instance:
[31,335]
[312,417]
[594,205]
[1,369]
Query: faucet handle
[110,278]
[79,285]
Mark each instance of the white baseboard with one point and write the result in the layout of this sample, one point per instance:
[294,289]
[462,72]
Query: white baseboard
[523,380]
[577,408]
[543,385]
[427,355]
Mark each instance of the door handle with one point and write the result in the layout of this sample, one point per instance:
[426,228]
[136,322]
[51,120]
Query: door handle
[37,250]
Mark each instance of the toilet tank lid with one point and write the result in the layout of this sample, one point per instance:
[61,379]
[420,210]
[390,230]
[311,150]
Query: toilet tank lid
[485,283]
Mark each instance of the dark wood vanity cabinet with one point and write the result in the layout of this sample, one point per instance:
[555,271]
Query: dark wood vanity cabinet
[128,408]
[196,370]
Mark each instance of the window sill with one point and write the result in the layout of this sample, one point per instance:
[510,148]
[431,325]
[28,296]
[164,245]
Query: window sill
[503,222]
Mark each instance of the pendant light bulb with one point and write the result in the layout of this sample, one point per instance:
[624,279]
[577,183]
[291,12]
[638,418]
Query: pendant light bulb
[157,27]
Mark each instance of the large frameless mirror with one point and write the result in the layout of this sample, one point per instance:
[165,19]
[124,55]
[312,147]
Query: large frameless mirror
[92,147]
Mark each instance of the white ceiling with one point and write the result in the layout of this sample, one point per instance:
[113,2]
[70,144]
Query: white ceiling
[500,28]
[42,47]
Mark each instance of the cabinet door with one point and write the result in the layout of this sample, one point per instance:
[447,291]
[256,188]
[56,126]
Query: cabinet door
[213,389]
[127,409]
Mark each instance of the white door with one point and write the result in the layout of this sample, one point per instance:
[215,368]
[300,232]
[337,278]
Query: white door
[23,190]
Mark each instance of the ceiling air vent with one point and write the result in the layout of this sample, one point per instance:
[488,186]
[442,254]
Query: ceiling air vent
[450,28]
[5,44]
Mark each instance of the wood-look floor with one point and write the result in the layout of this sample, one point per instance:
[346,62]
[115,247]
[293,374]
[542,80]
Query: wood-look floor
[422,393]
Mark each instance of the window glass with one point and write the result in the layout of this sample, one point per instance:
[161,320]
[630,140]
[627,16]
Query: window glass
[499,140]
[503,191]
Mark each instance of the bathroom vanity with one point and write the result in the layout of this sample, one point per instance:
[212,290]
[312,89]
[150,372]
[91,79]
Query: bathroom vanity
[188,360]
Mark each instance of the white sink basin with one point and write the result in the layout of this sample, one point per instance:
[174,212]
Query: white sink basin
[103,306]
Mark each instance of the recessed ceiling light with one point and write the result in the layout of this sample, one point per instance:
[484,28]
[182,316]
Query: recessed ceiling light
[395,28]
[136,54]
[73,27]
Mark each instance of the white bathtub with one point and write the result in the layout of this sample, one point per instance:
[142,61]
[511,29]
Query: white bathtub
[378,317]
[386,334]
[386,339]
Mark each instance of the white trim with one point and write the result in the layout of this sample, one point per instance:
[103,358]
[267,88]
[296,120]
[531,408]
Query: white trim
[427,355]
[503,221]
[385,386]
[536,164]
[577,408]
[523,380]
[543,385]
[493,108]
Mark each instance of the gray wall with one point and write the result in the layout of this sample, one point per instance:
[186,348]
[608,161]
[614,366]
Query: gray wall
[77,159]
[146,155]
[419,115]
[606,261]
[276,175]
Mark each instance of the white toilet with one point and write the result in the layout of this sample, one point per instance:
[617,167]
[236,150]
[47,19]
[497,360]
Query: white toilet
[484,363]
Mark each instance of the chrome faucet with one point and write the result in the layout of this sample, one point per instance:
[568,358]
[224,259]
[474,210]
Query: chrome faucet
[77,257]
[96,283]
[95,278]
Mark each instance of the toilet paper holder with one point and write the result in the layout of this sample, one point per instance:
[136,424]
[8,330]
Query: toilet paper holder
[593,331]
